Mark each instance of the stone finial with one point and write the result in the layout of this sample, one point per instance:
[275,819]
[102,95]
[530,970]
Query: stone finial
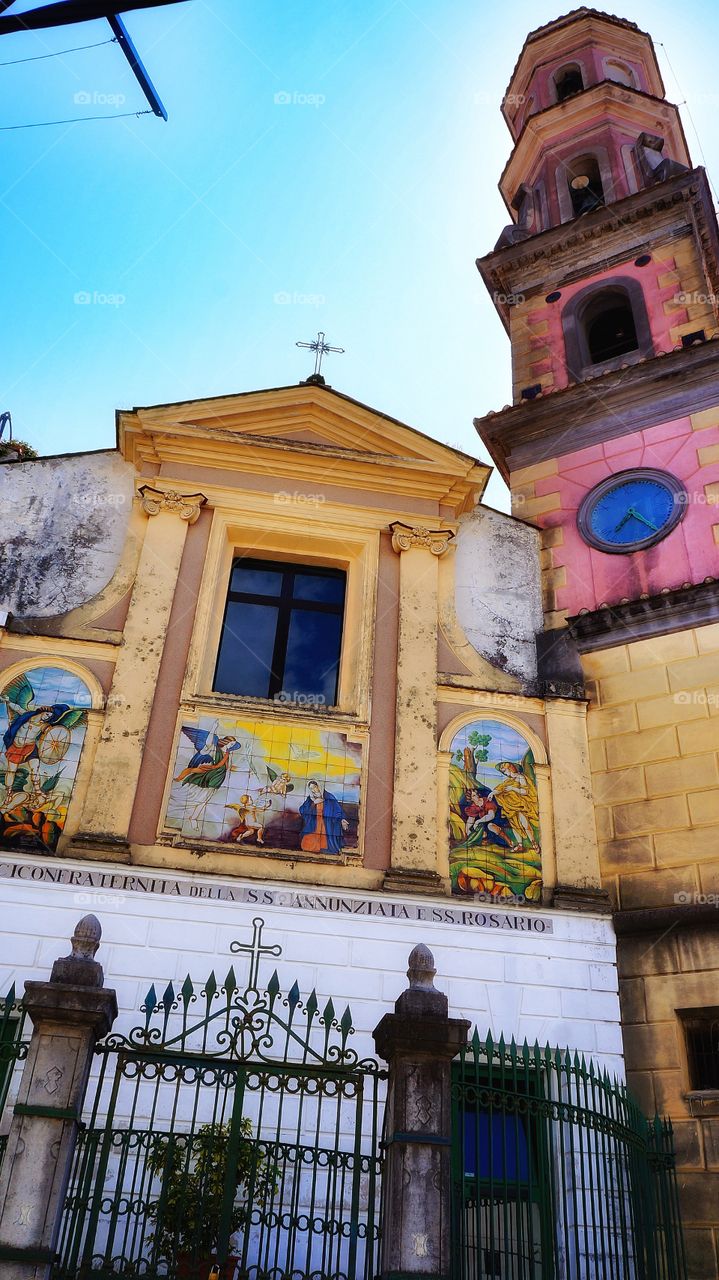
[421,999]
[421,969]
[80,969]
[86,938]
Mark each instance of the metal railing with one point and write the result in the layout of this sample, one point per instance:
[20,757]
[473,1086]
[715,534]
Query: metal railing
[556,1172]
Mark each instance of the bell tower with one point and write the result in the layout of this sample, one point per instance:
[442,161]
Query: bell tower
[606,280]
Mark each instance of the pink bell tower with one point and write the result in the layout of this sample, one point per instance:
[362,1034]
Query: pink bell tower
[606,280]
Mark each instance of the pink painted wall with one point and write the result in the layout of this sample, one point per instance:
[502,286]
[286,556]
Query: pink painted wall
[551,345]
[688,554]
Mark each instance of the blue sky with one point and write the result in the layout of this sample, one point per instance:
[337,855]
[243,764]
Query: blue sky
[210,244]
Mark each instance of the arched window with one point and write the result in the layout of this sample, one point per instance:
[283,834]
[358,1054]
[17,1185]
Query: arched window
[585,184]
[620,73]
[568,81]
[609,327]
[604,326]
[43,716]
[494,835]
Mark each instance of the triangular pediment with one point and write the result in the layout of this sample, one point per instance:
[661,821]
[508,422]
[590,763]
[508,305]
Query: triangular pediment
[287,430]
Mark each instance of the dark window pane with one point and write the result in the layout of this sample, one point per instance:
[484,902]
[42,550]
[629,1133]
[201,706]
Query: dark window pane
[248,640]
[330,588]
[495,1146]
[313,652]
[258,582]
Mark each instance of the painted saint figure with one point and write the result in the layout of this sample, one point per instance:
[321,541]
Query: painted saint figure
[481,809]
[207,769]
[34,735]
[323,821]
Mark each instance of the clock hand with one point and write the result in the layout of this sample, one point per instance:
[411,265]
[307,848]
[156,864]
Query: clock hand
[642,519]
[623,520]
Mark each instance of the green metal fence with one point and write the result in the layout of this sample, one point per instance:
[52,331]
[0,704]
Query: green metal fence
[556,1172]
[235,1128]
[13,1050]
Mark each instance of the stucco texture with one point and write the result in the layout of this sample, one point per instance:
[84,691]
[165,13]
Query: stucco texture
[63,523]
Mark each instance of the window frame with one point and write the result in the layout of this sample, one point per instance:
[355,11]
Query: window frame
[286,604]
[579,363]
[701,1101]
[353,547]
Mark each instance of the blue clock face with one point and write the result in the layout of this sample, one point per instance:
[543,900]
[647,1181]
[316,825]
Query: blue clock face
[632,510]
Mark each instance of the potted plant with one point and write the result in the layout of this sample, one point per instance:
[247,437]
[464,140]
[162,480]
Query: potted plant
[195,1175]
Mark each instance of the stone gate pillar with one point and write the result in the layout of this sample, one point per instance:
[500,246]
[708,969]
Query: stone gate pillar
[419,1041]
[70,1013]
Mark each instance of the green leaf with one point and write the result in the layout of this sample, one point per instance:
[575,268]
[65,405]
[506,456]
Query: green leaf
[271,773]
[50,783]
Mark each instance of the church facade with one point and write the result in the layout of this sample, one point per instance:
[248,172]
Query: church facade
[270,667]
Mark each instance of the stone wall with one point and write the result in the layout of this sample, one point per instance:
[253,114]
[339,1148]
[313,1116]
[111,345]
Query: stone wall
[653,727]
[660,973]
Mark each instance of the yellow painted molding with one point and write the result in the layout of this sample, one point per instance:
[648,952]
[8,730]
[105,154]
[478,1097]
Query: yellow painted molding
[244,433]
[503,716]
[463,690]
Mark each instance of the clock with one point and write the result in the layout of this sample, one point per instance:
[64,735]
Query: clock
[631,510]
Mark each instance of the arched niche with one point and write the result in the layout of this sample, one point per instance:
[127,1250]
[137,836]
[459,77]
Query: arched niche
[568,80]
[44,709]
[494,827]
[614,307]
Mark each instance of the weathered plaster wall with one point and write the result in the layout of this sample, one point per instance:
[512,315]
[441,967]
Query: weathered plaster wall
[63,523]
[498,596]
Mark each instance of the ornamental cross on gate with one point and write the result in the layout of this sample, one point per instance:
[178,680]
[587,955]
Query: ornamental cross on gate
[255,951]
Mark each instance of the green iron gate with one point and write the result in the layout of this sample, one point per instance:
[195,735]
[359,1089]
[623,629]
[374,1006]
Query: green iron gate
[13,1048]
[556,1172]
[236,1129]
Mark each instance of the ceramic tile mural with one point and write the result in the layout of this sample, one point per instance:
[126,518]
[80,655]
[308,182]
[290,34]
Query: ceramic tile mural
[253,783]
[43,715]
[494,839]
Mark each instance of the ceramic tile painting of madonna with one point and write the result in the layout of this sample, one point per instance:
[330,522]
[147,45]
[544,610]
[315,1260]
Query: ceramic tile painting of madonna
[494,837]
[252,783]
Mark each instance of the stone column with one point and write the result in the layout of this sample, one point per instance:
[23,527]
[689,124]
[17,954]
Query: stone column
[414,810]
[108,804]
[578,877]
[70,1013]
[419,1041]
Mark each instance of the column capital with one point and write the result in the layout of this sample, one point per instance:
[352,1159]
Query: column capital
[186,505]
[405,536]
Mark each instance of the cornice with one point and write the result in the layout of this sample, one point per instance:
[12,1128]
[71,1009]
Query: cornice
[679,609]
[660,389]
[252,434]
[550,257]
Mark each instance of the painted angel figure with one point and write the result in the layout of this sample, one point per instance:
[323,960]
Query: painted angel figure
[206,770]
[519,800]
[34,736]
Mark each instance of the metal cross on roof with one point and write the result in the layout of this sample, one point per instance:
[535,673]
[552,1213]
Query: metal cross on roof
[320,348]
